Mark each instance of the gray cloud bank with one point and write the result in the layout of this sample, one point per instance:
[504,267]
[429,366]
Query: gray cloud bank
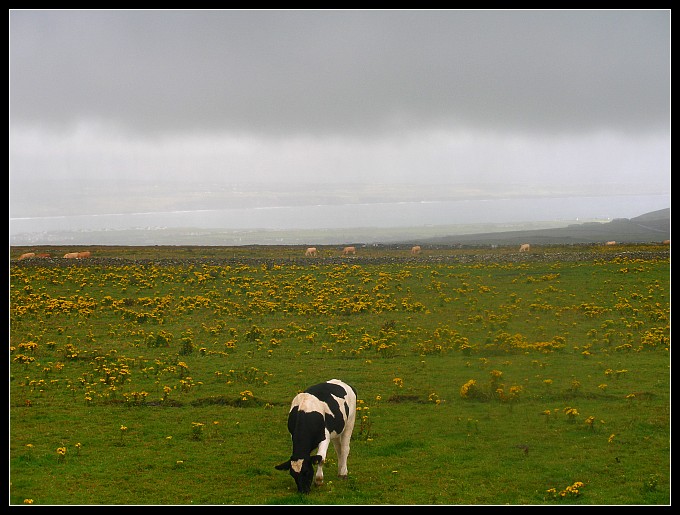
[342,72]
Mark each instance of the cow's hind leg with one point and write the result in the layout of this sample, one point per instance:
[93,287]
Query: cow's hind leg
[342,447]
[341,451]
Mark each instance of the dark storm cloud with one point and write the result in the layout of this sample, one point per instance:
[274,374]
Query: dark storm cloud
[341,72]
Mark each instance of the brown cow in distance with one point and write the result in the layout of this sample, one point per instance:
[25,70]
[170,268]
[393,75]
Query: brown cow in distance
[311,251]
[85,254]
[26,255]
[415,250]
[349,250]
[71,255]
[524,247]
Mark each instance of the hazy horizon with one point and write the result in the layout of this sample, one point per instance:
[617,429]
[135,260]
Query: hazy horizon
[332,223]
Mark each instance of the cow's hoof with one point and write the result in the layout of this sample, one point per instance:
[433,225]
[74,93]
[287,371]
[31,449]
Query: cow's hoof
[343,477]
[318,482]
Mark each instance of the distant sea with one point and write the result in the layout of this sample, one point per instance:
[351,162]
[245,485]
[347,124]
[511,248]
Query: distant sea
[379,215]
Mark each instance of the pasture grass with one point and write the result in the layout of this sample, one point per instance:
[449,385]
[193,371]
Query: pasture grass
[542,382]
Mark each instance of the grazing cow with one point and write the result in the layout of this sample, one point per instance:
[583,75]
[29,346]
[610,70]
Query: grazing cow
[85,254]
[311,251]
[71,255]
[415,250]
[666,242]
[26,255]
[524,247]
[349,250]
[610,243]
[322,414]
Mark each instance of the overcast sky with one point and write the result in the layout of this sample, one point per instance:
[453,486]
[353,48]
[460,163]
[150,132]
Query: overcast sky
[540,98]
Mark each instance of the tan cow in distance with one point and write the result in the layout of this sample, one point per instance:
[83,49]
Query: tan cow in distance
[610,243]
[26,255]
[415,249]
[77,255]
[311,252]
[524,247]
[666,242]
[349,250]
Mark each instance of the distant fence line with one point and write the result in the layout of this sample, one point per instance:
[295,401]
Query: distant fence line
[481,257]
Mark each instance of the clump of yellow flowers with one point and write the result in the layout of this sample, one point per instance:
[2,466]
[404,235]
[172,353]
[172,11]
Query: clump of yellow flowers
[570,491]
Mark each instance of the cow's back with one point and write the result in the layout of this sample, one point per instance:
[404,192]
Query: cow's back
[339,399]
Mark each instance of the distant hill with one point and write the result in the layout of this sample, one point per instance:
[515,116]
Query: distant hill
[649,227]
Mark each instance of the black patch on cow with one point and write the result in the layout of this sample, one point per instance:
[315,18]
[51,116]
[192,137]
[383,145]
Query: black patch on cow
[307,431]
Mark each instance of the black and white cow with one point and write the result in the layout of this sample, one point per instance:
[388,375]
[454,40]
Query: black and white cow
[322,414]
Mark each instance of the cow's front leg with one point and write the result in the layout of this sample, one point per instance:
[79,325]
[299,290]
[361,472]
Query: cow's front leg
[318,478]
[322,450]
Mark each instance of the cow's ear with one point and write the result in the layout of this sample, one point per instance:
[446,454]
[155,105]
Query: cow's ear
[283,466]
[316,459]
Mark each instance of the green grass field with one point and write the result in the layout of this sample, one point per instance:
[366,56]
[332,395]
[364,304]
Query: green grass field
[165,376]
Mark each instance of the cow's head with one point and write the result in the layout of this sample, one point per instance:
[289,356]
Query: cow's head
[302,471]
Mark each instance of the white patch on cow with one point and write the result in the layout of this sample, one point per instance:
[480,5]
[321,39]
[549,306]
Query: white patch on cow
[309,403]
[338,382]
[296,465]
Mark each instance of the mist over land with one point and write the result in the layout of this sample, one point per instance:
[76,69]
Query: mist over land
[291,219]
